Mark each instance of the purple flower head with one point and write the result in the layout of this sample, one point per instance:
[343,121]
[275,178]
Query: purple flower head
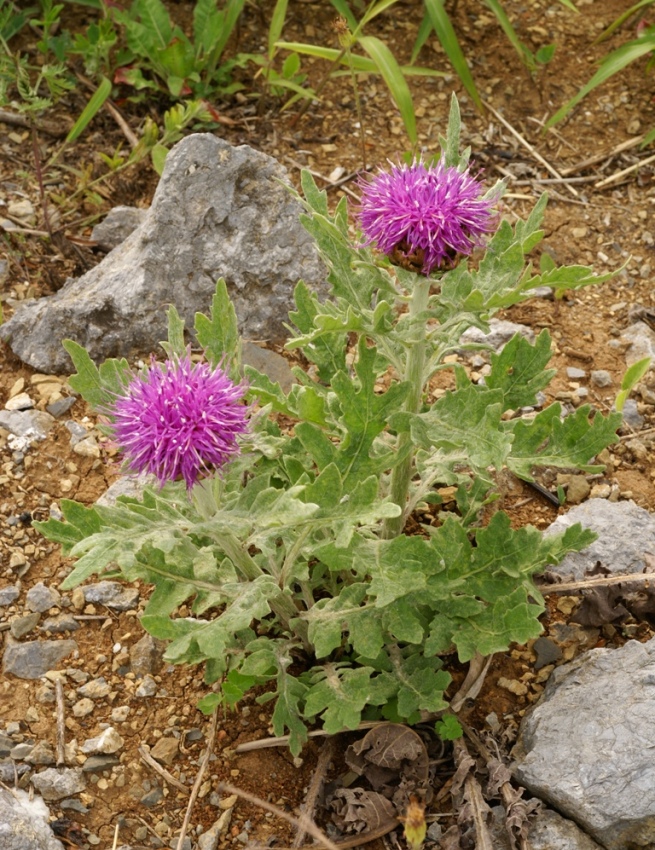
[178,419]
[425,215]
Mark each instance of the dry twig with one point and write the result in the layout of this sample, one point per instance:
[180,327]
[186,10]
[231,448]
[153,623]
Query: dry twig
[116,831]
[526,144]
[150,761]
[302,823]
[283,740]
[318,777]
[337,184]
[472,684]
[61,723]
[592,160]
[474,808]
[201,773]
[619,174]
[545,587]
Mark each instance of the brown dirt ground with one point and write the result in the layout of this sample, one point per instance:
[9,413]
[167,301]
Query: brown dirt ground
[604,227]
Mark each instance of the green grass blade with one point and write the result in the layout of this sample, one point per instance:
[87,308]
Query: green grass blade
[526,55]
[344,10]
[360,63]
[372,12]
[648,138]
[90,110]
[569,5]
[612,64]
[396,82]
[422,36]
[622,19]
[446,35]
[277,23]
[232,14]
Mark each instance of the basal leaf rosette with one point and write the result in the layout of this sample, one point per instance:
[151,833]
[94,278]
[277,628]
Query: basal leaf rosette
[178,420]
[426,216]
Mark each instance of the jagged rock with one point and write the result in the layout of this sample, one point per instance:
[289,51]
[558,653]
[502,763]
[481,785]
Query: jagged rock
[24,823]
[8,595]
[40,598]
[127,485]
[586,747]
[547,831]
[27,425]
[117,225]
[146,656]
[625,533]
[55,783]
[33,659]
[116,596]
[500,333]
[219,211]
[641,342]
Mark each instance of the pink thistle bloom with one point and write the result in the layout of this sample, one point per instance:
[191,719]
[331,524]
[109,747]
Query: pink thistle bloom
[179,419]
[424,217]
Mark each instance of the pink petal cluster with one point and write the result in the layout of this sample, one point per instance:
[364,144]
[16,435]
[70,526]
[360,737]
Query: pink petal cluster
[430,213]
[179,419]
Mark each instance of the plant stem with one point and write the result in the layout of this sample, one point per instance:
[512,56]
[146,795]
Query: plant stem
[358,104]
[401,475]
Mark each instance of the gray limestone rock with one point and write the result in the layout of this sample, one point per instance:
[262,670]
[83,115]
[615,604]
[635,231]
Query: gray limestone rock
[601,378]
[219,211]
[626,534]
[116,596]
[24,823]
[500,333]
[26,424]
[40,598]
[127,485]
[641,342]
[269,363]
[8,595]
[146,656]
[117,225]
[22,626]
[547,831]
[55,783]
[33,659]
[586,748]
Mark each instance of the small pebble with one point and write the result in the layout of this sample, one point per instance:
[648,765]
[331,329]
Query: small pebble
[83,707]
[601,378]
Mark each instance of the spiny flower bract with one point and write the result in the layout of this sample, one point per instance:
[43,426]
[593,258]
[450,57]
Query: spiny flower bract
[179,418]
[427,214]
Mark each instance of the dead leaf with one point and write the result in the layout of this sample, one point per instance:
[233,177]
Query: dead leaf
[394,761]
[359,810]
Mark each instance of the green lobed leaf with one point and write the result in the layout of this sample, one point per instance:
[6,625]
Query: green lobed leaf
[218,333]
[340,696]
[329,618]
[467,422]
[364,412]
[421,682]
[512,619]
[548,440]
[520,370]
[97,386]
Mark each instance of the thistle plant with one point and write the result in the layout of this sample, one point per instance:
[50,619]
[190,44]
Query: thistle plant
[293,556]
[178,420]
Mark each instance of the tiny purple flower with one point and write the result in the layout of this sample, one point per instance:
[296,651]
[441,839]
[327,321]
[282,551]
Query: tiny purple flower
[425,215]
[178,419]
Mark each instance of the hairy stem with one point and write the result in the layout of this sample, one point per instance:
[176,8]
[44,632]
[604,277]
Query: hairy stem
[403,471]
